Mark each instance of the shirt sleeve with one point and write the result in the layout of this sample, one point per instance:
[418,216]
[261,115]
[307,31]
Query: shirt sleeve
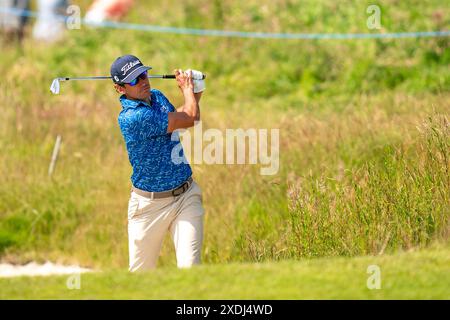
[148,123]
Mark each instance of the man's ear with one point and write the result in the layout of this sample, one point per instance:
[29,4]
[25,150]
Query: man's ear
[119,89]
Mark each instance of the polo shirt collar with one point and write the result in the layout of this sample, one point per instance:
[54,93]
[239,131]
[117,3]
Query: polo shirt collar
[128,103]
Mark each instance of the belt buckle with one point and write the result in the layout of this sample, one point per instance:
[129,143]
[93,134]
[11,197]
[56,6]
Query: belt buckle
[180,187]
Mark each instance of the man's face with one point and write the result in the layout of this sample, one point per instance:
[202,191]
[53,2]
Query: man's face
[140,91]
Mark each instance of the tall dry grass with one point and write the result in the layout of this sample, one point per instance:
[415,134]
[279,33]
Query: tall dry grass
[356,174]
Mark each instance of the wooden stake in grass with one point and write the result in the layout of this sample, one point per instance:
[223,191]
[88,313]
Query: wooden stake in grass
[51,168]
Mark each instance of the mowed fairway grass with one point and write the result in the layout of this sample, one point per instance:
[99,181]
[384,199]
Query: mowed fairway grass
[422,274]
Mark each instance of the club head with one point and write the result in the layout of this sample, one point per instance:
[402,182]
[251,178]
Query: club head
[54,88]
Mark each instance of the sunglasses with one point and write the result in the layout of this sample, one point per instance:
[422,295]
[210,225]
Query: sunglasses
[142,76]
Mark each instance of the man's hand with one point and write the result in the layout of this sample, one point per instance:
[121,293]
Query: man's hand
[184,80]
[199,82]
[189,112]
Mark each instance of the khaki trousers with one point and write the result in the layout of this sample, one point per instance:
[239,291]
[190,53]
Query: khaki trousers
[150,219]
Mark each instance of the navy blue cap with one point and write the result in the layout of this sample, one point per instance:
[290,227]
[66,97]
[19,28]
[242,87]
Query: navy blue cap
[127,68]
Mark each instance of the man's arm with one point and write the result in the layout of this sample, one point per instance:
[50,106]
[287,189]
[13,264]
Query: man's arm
[197,96]
[189,112]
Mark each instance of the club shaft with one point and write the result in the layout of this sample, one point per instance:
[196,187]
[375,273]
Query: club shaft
[164,76]
[84,78]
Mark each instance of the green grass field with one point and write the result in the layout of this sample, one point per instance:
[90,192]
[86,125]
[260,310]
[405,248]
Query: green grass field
[421,274]
[364,150]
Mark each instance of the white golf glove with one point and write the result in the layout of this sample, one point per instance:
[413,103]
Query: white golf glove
[197,79]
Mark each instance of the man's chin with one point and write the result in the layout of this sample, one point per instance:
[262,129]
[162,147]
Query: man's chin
[145,96]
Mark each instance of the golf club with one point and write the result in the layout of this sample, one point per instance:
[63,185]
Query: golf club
[55,86]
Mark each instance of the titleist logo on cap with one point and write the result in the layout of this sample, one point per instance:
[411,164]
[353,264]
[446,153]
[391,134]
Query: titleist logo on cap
[128,66]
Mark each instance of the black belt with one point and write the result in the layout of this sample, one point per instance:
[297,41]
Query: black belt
[165,194]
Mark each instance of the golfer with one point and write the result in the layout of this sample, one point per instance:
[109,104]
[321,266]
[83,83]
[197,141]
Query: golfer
[164,196]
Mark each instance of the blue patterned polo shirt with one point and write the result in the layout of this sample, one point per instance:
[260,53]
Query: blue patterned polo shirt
[144,128]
